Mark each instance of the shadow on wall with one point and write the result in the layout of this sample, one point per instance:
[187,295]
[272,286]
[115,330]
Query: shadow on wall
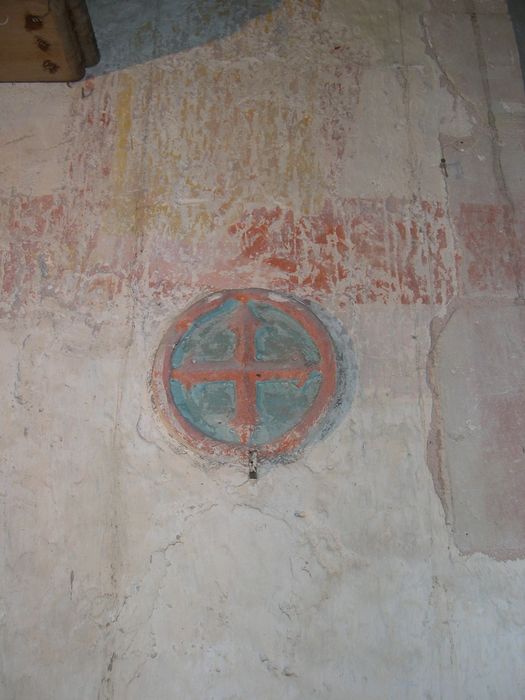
[130,32]
[517,16]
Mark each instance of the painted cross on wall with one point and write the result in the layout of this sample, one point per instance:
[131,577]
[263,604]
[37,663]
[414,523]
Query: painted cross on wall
[245,369]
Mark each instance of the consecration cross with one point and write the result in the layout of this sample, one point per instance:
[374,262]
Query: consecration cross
[245,371]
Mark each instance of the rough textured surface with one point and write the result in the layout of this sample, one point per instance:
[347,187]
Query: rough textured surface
[367,157]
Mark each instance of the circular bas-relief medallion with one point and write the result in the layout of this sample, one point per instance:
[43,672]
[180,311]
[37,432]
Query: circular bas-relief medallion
[245,370]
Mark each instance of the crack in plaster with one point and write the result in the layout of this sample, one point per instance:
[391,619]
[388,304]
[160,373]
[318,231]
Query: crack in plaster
[435,447]
[250,506]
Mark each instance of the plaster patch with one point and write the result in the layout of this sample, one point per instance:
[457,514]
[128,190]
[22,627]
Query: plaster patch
[476,450]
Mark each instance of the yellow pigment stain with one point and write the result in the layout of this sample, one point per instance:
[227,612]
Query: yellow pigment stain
[163,216]
[292,7]
[123,116]
[268,22]
[121,216]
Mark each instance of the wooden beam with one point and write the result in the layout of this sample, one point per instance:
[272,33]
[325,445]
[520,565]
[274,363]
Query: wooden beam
[45,40]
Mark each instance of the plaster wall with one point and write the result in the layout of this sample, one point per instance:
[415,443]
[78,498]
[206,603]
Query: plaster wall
[368,157]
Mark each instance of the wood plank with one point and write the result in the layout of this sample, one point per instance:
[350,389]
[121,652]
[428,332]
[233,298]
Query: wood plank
[39,40]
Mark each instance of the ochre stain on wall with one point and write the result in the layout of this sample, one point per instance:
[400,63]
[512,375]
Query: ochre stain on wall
[123,119]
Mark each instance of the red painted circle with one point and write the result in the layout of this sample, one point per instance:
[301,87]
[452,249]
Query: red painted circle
[243,372]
